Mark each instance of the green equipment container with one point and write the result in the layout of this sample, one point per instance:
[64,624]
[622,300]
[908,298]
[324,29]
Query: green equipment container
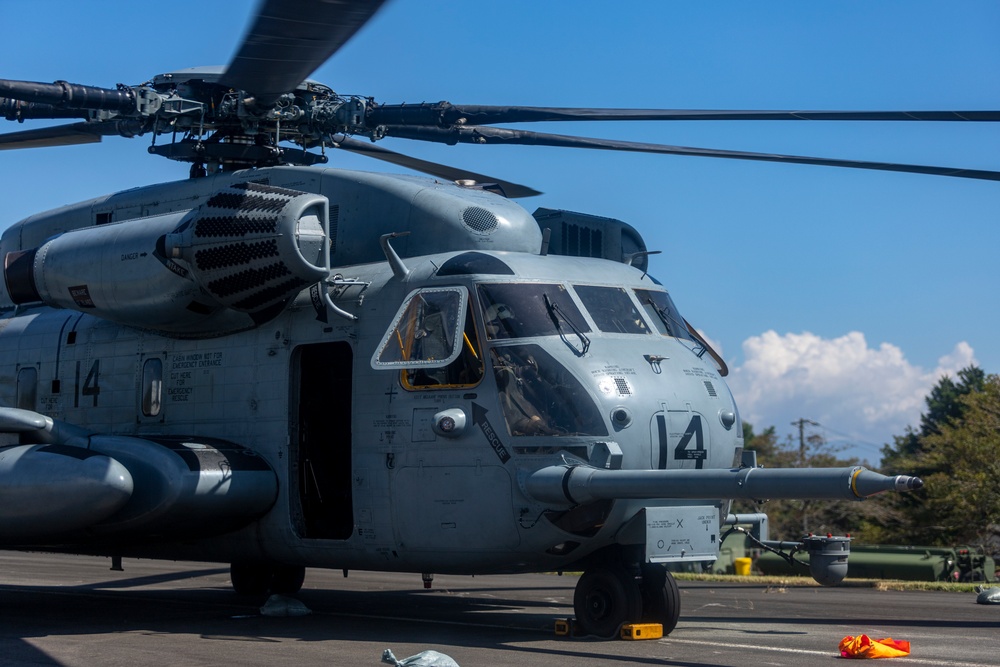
[908,563]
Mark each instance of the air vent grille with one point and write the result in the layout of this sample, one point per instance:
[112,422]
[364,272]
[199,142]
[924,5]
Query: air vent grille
[480,220]
[253,247]
[334,222]
[580,241]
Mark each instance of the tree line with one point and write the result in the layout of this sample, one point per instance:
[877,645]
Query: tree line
[955,449]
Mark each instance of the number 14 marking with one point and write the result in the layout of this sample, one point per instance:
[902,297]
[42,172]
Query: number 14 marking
[91,385]
[694,431]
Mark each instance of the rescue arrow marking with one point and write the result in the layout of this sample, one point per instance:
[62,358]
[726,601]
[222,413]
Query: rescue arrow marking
[479,417]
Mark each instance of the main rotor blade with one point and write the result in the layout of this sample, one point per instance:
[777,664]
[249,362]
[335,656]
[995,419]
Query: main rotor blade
[67,95]
[512,190]
[290,39]
[59,135]
[496,135]
[445,114]
[18,110]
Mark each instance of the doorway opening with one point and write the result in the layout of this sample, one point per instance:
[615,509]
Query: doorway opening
[322,471]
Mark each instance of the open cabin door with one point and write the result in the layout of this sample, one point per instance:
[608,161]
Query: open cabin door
[320,470]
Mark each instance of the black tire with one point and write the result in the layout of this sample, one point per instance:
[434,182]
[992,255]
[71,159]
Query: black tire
[661,599]
[251,578]
[604,599]
[287,579]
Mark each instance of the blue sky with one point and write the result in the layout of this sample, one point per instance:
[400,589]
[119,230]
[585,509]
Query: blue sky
[836,295]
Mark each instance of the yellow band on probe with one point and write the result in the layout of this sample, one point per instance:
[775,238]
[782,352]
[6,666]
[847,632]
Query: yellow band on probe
[854,479]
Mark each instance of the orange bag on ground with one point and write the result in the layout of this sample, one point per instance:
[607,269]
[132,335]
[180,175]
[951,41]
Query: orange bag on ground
[863,646]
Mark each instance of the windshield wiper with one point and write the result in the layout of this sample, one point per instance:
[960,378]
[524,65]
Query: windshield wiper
[701,345]
[668,322]
[555,312]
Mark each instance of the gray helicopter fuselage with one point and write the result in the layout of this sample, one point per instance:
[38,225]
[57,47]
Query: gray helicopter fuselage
[387,452]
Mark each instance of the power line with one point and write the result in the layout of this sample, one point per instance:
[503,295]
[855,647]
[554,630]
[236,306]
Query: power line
[855,439]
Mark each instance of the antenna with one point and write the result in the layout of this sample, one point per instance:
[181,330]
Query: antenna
[398,268]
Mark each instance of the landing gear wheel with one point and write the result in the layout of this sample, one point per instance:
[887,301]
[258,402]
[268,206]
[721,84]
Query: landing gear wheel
[256,579]
[287,579]
[661,599]
[605,598]
[250,578]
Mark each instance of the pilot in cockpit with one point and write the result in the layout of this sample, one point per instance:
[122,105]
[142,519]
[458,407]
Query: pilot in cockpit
[499,321]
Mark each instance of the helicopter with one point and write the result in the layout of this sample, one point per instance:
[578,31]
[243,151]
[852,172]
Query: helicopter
[280,365]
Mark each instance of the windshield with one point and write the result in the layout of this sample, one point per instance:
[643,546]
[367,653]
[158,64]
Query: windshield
[540,397]
[663,313]
[611,309]
[520,310]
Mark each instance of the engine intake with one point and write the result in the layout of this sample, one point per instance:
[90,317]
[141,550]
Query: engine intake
[232,264]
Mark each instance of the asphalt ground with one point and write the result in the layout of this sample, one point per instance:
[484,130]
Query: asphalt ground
[69,610]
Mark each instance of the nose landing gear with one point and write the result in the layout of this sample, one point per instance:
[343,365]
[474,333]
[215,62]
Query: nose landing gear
[605,598]
[258,578]
[610,595]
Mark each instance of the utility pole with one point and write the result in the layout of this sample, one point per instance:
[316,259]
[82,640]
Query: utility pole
[801,423]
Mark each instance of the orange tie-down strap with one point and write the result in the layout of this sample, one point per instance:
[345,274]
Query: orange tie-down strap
[863,646]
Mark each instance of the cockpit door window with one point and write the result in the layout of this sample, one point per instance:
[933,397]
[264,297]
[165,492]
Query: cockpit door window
[426,332]
[465,371]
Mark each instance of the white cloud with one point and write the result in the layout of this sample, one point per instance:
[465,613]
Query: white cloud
[868,393]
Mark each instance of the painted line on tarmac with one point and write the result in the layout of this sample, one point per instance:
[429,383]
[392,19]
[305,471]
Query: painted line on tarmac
[827,654]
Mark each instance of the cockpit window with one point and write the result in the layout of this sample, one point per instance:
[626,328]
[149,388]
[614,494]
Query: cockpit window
[540,397]
[611,309]
[663,313]
[466,371]
[520,310]
[426,332]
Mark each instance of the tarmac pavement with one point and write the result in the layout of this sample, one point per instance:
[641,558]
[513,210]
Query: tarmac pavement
[72,610]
